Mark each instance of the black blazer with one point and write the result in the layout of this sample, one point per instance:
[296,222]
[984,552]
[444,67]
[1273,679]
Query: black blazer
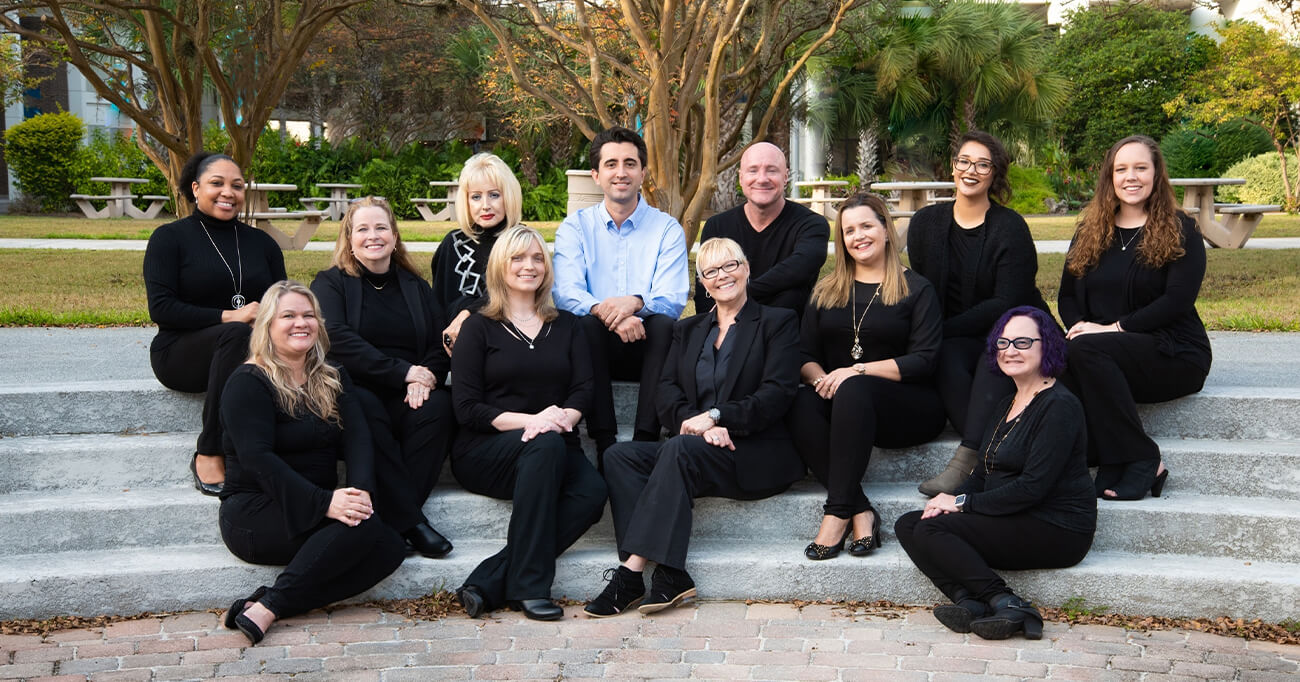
[340,302]
[999,279]
[755,395]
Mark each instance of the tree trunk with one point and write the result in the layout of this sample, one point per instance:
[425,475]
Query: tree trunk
[868,150]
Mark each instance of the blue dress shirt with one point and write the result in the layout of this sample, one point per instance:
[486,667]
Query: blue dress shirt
[645,256]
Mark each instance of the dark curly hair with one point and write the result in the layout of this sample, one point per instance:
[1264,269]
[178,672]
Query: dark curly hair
[1000,187]
[1053,339]
[194,167]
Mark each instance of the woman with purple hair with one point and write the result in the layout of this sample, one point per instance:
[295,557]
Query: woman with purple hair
[1028,504]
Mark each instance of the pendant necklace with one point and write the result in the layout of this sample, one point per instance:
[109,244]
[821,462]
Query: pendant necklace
[237,301]
[518,333]
[377,287]
[1123,245]
[856,351]
[991,456]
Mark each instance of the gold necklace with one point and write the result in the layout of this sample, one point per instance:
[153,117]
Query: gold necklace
[856,351]
[991,457]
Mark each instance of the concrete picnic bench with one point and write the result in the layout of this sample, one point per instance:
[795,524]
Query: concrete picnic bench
[1238,221]
[912,197]
[448,210]
[335,204]
[821,201]
[119,202]
[258,213]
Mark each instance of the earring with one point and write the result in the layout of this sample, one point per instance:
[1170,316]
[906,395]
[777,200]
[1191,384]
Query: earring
[707,294]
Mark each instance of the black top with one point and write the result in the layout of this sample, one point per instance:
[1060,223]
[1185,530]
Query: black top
[457,268]
[908,332]
[755,392]
[378,335]
[1156,301]
[998,276]
[711,367]
[1040,468]
[963,247]
[187,284]
[496,372]
[786,256]
[291,458]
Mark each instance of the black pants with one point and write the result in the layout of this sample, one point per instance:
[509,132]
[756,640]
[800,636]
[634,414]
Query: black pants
[557,496]
[960,551]
[329,563]
[203,360]
[410,448]
[970,390]
[641,361]
[835,437]
[652,487]
[1111,373]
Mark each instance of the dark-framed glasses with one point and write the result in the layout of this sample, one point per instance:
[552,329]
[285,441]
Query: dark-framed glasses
[962,163]
[729,266]
[1020,342]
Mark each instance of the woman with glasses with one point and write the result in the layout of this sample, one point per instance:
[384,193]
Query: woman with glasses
[1028,504]
[980,258]
[384,324]
[731,376]
[1128,299]
[868,343]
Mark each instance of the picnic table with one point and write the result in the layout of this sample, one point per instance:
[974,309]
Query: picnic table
[912,197]
[821,201]
[448,210]
[336,203]
[119,202]
[1237,222]
[259,214]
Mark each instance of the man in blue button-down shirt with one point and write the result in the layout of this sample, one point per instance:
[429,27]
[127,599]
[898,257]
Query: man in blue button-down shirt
[620,266]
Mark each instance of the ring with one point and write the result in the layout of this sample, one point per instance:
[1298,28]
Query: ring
[446,338]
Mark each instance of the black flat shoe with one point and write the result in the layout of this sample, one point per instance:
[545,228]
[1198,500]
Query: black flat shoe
[669,587]
[537,609]
[427,541]
[864,546]
[213,489]
[250,629]
[1139,477]
[237,607]
[472,600]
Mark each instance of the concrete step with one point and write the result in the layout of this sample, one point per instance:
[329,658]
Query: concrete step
[144,406]
[1179,523]
[207,576]
[112,462]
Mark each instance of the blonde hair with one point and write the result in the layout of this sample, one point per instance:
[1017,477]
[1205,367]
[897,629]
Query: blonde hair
[345,260]
[488,169]
[321,392]
[512,242]
[832,291]
[722,248]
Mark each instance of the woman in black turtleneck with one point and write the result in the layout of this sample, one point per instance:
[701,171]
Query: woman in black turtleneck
[488,200]
[383,328]
[204,276]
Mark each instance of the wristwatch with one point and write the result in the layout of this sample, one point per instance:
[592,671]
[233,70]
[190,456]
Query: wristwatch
[716,415]
[960,502]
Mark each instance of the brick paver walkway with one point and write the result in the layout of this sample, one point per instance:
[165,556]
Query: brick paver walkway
[716,640]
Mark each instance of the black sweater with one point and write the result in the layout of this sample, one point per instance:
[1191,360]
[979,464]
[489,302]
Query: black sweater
[999,277]
[291,458]
[909,332]
[1157,301]
[1041,468]
[496,372]
[457,268]
[786,256]
[342,299]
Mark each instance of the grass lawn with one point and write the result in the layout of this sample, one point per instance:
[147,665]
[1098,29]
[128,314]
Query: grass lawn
[74,226]
[1243,291]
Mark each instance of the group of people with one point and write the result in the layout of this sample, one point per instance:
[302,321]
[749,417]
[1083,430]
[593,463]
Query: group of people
[780,372]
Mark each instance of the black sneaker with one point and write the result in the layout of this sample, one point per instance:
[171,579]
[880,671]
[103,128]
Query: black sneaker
[669,587]
[624,591]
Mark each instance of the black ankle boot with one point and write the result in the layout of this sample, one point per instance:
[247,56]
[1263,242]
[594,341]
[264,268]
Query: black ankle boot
[625,590]
[1011,614]
[958,615]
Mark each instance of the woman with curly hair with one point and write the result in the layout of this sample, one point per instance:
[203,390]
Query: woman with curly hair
[1128,300]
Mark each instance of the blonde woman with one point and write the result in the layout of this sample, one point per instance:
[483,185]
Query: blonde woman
[488,200]
[383,325]
[523,380]
[290,418]
[870,339]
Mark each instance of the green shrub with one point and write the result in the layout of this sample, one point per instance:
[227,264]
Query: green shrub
[1192,152]
[1263,175]
[1030,186]
[1236,140]
[43,154]
[549,200]
[108,153]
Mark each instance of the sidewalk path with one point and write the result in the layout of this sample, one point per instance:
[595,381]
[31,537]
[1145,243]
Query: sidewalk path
[716,640]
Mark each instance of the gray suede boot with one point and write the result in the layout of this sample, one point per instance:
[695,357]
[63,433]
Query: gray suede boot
[959,468]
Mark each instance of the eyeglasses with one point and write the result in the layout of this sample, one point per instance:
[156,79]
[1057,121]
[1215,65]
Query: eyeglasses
[1020,342]
[964,164]
[729,266]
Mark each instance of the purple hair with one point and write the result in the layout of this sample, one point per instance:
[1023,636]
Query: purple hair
[1053,341]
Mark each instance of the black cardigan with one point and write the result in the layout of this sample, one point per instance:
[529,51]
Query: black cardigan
[1000,278]
[757,391]
[1161,301]
[340,302]
[1041,468]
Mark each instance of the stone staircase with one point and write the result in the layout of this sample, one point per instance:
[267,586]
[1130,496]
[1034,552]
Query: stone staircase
[97,515]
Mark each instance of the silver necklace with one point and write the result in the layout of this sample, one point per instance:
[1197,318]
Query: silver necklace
[1123,245]
[237,301]
[856,351]
[518,333]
